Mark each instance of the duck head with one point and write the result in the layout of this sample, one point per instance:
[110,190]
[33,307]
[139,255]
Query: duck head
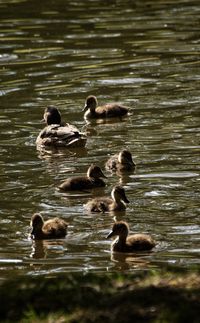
[95,172]
[52,115]
[119,228]
[118,194]
[36,223]
[90,103]
[125,157]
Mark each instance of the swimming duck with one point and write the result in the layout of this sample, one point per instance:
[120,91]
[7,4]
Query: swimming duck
[104,204]
[91,180]
[58,134]
[125,243]
[121,162]
[50,229]
[93,111]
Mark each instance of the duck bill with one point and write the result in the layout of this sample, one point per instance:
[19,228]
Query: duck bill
[131,162]
[31,234]
[126,200]
[32,231]
[110,235]
[85,108]
[102,175]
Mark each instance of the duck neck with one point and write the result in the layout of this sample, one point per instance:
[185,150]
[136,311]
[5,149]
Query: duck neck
[119,205]
[125,161]
[92,110]
[122,239]
[38,233]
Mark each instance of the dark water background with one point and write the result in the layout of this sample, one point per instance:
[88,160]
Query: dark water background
[145,54]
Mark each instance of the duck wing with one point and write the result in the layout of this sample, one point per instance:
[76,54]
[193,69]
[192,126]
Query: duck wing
[55,228]
[112,110]
[61,136]
[100,204]
[111,163]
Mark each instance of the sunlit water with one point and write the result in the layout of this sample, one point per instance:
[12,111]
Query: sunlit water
[144,54]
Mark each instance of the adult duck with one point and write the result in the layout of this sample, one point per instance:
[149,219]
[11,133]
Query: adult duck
[106,204]
[121,162]
[109,110]
[58,134]
[91,180]
[50,229]
[129,243]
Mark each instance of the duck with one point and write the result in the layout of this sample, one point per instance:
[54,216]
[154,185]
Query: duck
[121,162]
[106,204]
[109,110]
[91,180]
[129,243]
[59,134]
[50,229]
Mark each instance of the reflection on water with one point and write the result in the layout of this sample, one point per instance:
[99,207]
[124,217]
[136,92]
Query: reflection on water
[50,154]
[43,249]
[129,261]
[143,54]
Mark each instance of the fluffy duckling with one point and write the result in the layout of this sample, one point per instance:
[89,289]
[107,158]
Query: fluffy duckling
[125,243]
[93,111]
[50,229]
[91,180]
[104,204]
[121,162]
[58,134]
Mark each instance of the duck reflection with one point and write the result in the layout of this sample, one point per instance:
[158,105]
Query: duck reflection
[124,178]
[41,249]
[129,261]
[53,153]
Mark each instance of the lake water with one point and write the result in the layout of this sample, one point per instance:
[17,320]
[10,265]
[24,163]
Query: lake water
[145,54]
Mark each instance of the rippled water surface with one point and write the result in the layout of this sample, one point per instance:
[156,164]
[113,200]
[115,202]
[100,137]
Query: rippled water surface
[145,54]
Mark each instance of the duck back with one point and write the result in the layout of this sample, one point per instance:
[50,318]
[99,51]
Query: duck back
[61,136]
[81,183]
[101,204]
[54,228]
[136,242]
[113,164]
[111,110]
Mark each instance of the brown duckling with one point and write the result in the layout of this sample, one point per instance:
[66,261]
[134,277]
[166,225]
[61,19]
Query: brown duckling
[125,243]
[93,111]
[58,134]
[91,180]
[50,229]
[105,204]
[121,162]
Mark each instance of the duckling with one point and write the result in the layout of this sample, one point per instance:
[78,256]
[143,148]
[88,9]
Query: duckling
[58,134]
[50,229]
[121,162]
[105,204]
[93,111]
[125,243]
[91,180]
